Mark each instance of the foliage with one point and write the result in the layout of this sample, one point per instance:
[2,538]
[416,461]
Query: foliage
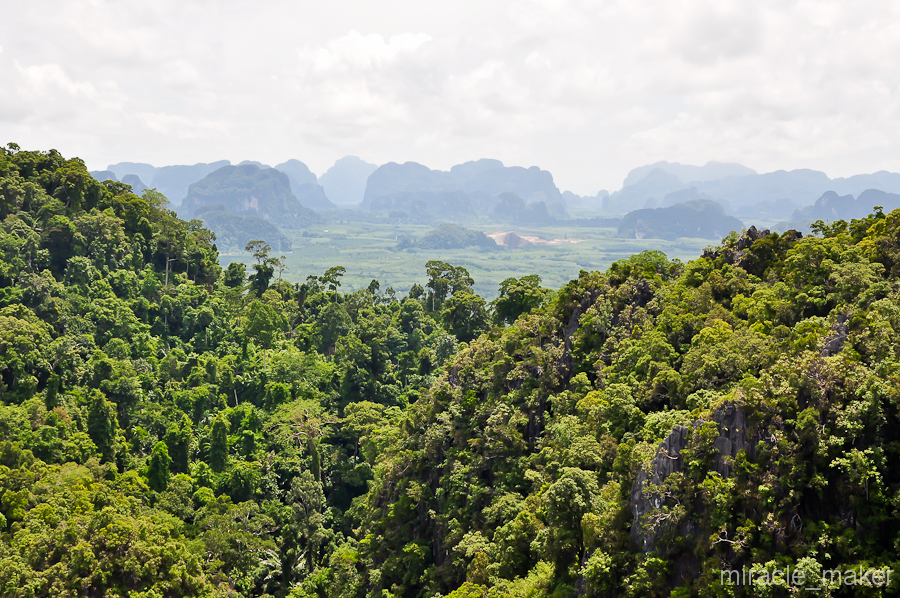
[167,429]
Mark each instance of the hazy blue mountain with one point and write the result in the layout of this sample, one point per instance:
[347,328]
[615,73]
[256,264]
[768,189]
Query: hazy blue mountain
[740,190]
[803,186]
[305,186]
[711,171]
[531,184]
[234,231]
[249,190]
[173,181]
[585,201]
[345,182]
[832,206]
[870,198]
[699,218]
[513,208]
[137,185]
[771,209]
[468,170]
[104,175]
[297,172]
[884,181]
[649,190]
[426,206]
[482,180]
[144,171]
[484,176]
[683,195]
[393,178]
[259,165]
[313,196]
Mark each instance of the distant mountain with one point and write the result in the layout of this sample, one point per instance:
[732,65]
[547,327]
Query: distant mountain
[482,176]
[134,180]
[305,186]
[585,201]
[802,186]
[770,209]
[426,206]
[699,218]
[882,180]
[144,171]
[832,206]
[480,182]
[512,208]
[345,182]
[234,231]
[711,171]
[645,193]
[129,179]
[453,236]
[769,195]
[249,190]
[173,181]
[104,175]
[254,163]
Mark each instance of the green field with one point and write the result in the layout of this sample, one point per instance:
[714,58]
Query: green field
[369,251]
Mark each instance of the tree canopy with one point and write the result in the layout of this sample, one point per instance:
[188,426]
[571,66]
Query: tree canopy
[170,429]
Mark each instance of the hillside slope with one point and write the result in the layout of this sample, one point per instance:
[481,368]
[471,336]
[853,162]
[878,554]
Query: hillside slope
[171,429]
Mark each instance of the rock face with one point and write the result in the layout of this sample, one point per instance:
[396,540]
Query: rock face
[837,337]
[476,185]
[667,461]
[732,438]
[249,191]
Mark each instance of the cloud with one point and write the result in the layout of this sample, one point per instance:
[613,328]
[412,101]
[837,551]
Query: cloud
[182,127]
[585,88]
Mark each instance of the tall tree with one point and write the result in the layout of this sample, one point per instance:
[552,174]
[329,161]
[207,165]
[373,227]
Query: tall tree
[158,469]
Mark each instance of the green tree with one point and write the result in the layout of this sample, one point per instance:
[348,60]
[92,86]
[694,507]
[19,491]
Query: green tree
[307,502]
[102,425]
[335,323]
[218,444]
[445,279]
[178,443]
[465,315]
[518,296]
[158,469]
[235,275]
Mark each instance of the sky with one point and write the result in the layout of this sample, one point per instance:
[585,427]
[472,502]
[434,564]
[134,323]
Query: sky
[584,89]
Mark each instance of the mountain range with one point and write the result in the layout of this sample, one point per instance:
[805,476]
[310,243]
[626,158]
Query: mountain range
[413,192]
[743,192]
[481,187]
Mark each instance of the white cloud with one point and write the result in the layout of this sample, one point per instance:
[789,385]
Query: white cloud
[585,88]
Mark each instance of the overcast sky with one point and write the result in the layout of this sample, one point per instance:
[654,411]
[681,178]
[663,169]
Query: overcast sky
[587,90]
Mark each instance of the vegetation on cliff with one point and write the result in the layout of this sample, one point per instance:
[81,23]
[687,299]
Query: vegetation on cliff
[168,428]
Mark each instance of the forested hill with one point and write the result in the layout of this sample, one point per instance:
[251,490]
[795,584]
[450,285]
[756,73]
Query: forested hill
[171,429]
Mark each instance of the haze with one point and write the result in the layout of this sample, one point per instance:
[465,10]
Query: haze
[586,90]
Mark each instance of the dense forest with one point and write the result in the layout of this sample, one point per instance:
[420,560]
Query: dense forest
[171,428]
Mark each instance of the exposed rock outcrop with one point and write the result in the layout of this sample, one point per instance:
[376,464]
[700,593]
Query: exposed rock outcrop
[647,494]
[837,337]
